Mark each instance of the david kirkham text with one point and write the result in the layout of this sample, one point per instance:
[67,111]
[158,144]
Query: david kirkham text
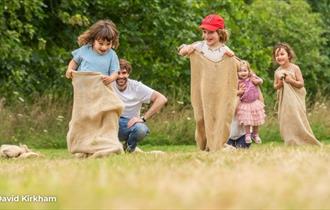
[27,198]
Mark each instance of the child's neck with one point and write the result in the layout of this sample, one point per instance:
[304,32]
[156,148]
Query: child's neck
[286,65]
[246,78]
[215,45]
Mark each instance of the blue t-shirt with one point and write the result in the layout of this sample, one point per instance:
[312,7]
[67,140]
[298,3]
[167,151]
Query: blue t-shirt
[89,60]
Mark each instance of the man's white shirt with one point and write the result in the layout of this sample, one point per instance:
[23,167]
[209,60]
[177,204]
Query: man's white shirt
[135,94]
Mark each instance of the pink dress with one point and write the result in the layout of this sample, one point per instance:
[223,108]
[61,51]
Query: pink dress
[250,110]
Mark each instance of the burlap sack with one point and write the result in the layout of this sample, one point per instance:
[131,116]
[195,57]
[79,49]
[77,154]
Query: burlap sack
[293,122]
[213,97]
[93,129]
[14,151]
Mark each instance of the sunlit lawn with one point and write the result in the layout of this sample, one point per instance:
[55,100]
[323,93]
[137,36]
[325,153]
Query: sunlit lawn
[266,176]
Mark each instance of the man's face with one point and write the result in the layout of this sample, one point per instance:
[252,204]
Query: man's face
[122,79]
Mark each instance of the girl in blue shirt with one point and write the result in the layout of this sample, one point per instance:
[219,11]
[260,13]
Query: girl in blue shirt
[96,53]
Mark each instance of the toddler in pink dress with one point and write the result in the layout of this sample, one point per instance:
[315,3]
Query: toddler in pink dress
[250,110]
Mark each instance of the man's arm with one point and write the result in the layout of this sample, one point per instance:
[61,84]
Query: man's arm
[158,101]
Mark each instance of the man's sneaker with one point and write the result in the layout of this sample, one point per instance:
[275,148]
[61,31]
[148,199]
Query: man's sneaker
[135,150]
[138,150]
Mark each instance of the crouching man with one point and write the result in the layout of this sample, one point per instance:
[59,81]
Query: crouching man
[132,125]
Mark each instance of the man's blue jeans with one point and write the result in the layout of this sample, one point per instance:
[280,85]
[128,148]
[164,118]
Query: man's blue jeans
[133,134]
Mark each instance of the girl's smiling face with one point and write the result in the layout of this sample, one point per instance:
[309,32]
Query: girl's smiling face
[282,57]
[243,72]
[101,46]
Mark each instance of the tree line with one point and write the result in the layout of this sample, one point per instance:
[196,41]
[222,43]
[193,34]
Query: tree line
[37,37]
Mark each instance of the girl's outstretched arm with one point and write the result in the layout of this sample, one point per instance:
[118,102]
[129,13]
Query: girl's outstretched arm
[256,80]
[186,49]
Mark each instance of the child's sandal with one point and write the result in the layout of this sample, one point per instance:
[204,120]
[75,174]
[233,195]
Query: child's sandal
[248,139]
[257,139]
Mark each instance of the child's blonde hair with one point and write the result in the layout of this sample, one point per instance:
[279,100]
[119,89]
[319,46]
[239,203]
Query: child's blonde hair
[287,48]
[244,63]
[101,30]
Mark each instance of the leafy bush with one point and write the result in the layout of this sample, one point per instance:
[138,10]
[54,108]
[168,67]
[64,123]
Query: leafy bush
[37,37]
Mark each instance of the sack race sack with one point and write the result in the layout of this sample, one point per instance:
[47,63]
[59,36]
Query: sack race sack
[213,97]
[292,117]
[14,151]
[93,129]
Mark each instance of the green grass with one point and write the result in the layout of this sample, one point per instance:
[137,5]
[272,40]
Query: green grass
[269,176]
[45,124]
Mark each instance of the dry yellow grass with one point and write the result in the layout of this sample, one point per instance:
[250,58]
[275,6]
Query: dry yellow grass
[267,176]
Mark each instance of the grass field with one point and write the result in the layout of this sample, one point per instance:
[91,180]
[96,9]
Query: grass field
[269,176]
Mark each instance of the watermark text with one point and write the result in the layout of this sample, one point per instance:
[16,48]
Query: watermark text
[28,198]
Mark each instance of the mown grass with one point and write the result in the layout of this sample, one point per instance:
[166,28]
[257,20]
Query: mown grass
[269,176]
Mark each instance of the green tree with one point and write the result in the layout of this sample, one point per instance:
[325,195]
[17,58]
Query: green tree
[37,37]
[18,38]
[323,7]
[292,22]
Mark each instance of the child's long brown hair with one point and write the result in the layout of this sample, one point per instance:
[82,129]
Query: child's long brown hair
[101,30]
[223,35]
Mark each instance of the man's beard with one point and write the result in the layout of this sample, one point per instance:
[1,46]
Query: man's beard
[122,84]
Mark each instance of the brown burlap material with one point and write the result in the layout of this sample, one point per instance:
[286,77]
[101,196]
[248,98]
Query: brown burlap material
[213,97]
[93,128]
[293,122]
